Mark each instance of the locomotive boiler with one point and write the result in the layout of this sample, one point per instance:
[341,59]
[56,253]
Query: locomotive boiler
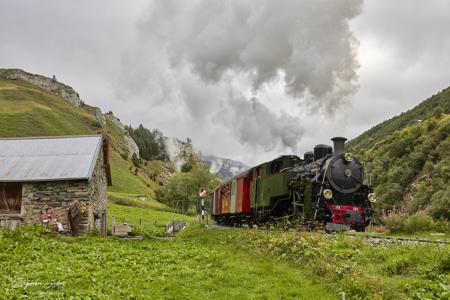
[326,186]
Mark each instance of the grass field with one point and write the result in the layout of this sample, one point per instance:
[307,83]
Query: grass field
[215,263]
[43,267]
[146,222]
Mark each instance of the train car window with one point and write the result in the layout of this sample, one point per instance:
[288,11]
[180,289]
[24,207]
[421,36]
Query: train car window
[275,166]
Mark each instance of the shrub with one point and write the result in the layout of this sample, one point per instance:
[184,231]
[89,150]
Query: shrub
[440,204]
[442,226]
[394,221]
[136,161]
[124,155]
[428,167]
[418,222]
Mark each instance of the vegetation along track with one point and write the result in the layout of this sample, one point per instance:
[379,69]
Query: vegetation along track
[383,240]
[371,239]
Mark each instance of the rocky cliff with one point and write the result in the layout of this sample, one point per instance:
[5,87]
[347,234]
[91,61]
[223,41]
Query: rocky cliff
[180,152]
[49,84]
[223,167]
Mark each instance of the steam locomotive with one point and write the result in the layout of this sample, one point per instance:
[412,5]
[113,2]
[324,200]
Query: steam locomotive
[326,186]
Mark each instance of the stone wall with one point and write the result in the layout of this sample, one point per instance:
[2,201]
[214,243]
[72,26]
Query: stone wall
[98,196]
[57,195]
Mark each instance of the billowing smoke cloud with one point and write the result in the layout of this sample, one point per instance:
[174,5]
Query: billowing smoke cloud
[255,124]
[211,62]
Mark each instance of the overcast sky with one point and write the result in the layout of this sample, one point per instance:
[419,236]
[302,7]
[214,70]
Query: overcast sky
[247,80]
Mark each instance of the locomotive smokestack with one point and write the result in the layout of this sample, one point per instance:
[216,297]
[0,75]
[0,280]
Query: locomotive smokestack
[338,145]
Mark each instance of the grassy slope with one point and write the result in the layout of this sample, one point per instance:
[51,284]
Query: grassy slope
[410,161]
[26,110]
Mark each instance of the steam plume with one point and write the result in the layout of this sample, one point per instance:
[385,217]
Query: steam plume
[215,59]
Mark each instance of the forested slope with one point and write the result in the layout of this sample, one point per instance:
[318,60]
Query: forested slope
[409,158]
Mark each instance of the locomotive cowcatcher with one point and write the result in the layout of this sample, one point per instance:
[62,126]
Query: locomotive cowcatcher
[326,186]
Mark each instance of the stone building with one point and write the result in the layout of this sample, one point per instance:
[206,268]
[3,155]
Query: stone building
[51,172]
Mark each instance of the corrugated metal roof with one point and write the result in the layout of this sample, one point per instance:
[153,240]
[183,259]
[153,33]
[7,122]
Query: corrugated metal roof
[48,158]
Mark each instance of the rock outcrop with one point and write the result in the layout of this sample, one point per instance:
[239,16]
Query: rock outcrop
[180,152]
[128,143]
[131,145]
[45,83]
[100,117]
[223,167]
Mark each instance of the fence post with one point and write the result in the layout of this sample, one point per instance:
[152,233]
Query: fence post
[203,210]
[113,225]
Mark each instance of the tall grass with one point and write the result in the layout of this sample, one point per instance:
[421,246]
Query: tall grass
[399,222]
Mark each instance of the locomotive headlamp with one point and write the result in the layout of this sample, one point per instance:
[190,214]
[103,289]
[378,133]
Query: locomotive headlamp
[348,157]
[372,197]
[327,194]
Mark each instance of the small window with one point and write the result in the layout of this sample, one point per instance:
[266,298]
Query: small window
[10,198]
[275,166]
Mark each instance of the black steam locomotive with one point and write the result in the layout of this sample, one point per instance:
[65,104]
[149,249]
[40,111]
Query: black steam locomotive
[325,186]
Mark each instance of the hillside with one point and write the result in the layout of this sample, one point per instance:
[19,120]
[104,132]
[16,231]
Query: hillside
[422,111]
[34,105]
[409,157]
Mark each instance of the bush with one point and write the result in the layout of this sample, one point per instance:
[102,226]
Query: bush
[440,204]
[394,222]
[417,223]
[136,161]
[442,226]
[124,155]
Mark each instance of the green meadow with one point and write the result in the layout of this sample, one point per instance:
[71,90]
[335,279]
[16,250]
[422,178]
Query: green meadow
[216,263]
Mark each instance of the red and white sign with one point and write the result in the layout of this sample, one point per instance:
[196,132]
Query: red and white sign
[202,193]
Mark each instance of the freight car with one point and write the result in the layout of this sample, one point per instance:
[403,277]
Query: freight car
[326,186]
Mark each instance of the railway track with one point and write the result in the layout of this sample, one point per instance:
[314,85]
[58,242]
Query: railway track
[376,239]
[372,239]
